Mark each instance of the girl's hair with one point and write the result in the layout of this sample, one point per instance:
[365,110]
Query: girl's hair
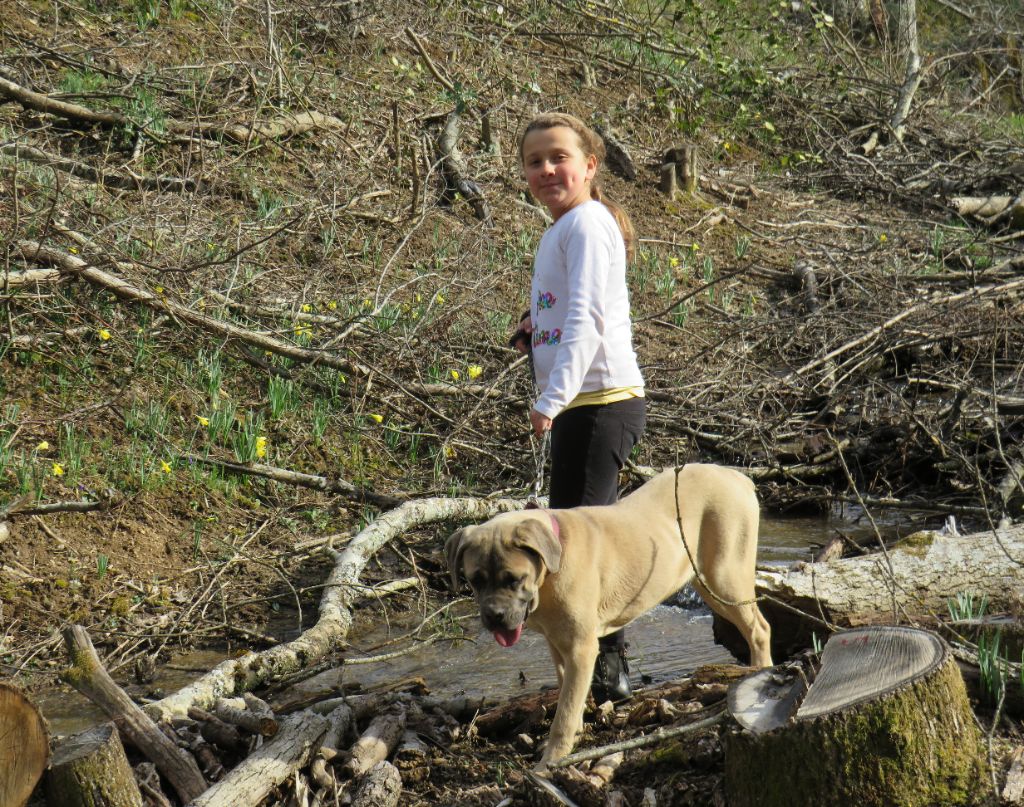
[590,143]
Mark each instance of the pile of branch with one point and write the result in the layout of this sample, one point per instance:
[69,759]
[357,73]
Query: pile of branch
[360,749]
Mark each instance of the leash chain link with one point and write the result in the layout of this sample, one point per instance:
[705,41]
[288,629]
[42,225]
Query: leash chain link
[540,457]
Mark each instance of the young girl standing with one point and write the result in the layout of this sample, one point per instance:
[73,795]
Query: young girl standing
[591,390]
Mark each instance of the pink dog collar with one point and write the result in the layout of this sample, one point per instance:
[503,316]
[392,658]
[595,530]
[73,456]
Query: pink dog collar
[555,528]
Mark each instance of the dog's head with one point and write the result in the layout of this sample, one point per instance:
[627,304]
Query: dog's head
[505,561]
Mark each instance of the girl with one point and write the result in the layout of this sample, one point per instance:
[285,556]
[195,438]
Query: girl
[591,391]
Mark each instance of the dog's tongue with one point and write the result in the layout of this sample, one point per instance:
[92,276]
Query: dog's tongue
[507,638]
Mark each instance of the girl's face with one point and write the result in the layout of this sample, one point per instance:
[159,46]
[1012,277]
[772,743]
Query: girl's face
[557,170]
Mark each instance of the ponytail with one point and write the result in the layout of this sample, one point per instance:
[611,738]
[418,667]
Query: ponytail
[621,218]
[592,144]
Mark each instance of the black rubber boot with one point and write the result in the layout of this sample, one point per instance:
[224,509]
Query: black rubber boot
[611,675]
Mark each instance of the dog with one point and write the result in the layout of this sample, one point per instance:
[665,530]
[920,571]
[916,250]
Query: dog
[581,573]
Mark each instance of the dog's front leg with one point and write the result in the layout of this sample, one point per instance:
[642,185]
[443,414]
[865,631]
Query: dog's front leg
[578,663]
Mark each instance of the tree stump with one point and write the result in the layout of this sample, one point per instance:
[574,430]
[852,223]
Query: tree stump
[886,722]
[90,769]
[24,748]
[679,171]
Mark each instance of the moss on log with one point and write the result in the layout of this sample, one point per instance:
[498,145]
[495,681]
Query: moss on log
[90,769]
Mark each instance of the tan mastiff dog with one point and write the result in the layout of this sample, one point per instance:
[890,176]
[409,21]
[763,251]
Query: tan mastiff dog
[581,573]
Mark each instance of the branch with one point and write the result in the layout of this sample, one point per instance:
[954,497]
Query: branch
[638,742]
[301,479]
[87,172]
[976,293]
[340,591]
[34,251]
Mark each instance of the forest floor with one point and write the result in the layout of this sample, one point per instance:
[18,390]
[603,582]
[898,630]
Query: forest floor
[245,310]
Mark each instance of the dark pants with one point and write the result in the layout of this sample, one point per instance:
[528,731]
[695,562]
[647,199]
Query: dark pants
[589,446]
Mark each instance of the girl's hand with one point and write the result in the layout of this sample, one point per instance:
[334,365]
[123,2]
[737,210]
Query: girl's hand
[541,423]
[521,338]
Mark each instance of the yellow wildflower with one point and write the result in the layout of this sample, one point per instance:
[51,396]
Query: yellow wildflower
[306,308]
[439,298]
[367,302]
[58,470]
[726,145]
[694,246]
[377,418]
[883,238]
[203,421]
[261,447]
[454,374]
[165,466]
[73,250]
[449,452]
[159,289]
[474,370]
[332,305]
[673,262]
[104,334]
[43,446]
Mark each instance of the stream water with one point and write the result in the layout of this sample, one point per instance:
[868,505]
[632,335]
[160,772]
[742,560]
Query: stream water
[667,642]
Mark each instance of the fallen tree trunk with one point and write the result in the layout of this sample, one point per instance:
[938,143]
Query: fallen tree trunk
[885,722]
[90,769]
[915,578]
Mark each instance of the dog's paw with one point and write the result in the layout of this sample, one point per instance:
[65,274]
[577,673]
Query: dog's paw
[542,769]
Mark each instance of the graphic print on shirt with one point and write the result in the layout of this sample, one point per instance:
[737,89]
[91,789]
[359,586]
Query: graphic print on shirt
[545,299]
[547,337]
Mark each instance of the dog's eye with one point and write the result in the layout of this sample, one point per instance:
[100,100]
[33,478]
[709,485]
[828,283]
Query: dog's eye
[476,581]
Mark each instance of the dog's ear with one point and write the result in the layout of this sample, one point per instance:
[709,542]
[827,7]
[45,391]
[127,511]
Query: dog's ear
[536,536]
[453,549]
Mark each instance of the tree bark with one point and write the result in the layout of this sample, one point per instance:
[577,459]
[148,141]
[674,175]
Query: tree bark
[24,749]
[886,723]
[90,769]
[87,675]
[381,787]
[908,43]
[255,777]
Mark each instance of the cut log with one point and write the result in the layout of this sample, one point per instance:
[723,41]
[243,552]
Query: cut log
[24,748]
[517,715]
[251,721]
[90,769]
[270,765]
[88,676]
[886,722]
[380,787]
[915,579]
[991,207]
[216,731]
[377,742]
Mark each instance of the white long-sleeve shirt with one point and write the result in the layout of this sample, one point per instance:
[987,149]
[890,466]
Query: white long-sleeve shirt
[582,335]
